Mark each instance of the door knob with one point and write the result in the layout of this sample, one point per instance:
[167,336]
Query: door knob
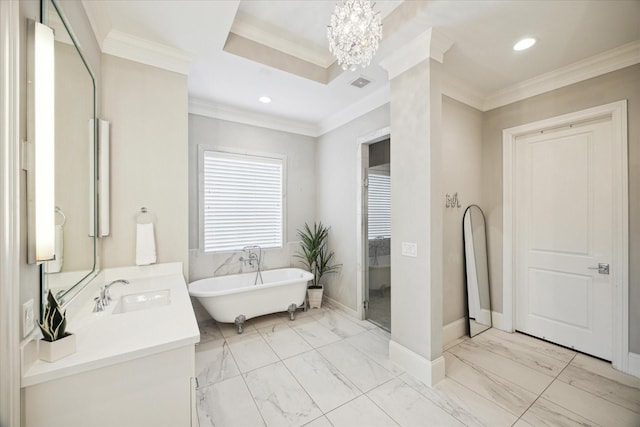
[602,268]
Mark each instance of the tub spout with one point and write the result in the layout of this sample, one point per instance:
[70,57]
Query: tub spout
[239,322]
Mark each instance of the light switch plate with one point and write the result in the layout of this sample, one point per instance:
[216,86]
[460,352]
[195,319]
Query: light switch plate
[28,318]
[410,249]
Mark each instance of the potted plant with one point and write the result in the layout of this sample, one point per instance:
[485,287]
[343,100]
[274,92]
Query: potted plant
[317,258]
[56,342]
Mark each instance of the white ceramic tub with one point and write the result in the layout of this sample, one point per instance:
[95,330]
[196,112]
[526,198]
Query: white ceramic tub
[228,297]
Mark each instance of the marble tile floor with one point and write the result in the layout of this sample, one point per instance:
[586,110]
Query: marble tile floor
[327,369]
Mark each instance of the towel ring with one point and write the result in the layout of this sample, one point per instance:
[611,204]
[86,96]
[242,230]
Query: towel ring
[145,217]
[64,217]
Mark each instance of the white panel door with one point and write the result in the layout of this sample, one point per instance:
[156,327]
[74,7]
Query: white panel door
[563,223]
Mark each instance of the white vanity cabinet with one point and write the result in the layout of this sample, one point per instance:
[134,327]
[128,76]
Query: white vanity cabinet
[155,390]
[134,368]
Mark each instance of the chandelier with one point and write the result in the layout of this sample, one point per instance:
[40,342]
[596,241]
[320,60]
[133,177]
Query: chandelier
[354,33]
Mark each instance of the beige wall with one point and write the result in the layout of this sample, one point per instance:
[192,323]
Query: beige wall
[336,197]
[300,187]
[147,108]
[462,174]
[77,18]
[74,108]
[462,154]
[417,210]
[622,84]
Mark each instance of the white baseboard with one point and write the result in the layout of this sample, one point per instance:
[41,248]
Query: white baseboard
[336,304]
[454,330]
[429,372]
[496,321]
[458,328]
[634,364]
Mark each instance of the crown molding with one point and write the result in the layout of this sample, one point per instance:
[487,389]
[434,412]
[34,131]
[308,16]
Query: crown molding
[204,108]
[463,92]
[352,112]
[141,50]
[612,60]
[98,15]
[430,44]
[309,52]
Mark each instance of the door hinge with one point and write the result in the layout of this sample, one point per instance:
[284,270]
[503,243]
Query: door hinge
[26,156]
[365,304]
[366,183]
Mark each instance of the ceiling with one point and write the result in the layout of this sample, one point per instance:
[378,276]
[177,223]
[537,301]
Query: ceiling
[291,35]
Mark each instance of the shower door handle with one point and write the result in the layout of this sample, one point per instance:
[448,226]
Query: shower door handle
[602,268]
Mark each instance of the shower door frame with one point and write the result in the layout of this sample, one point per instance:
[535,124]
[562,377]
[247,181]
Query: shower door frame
[361,205]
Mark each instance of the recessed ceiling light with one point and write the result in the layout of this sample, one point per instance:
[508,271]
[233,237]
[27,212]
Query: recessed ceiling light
[524,44]
[264,99]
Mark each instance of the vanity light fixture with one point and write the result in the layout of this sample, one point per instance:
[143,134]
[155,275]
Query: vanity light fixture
[104,165]
[524,44]
[40,152]
[264,99]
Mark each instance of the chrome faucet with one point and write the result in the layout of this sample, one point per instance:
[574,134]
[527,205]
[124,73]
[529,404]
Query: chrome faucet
[103,300]
[251,258]
[105,290]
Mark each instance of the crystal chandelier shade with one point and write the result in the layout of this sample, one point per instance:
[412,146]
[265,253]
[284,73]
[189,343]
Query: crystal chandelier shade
[354,33]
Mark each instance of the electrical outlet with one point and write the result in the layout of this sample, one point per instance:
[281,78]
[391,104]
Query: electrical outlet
[28,318]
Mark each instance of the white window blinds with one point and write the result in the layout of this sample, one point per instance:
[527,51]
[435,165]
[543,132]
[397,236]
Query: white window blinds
[242,201]
[379,206]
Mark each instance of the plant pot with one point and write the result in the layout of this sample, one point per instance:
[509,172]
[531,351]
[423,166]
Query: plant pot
[50,351]
[315,297]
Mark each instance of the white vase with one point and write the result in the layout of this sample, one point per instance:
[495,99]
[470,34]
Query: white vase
[315,297]
[55,350]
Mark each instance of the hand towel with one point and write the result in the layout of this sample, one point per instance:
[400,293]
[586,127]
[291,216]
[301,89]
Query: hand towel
[56,265]
[145,244]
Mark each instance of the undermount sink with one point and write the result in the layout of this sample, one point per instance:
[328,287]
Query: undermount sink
[142,301]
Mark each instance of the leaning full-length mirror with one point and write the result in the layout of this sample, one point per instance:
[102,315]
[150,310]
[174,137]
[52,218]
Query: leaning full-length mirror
[477,268]
[75,242]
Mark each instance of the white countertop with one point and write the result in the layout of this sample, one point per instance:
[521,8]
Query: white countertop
[105,338]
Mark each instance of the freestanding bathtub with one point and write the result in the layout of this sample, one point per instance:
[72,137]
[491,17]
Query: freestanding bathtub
[235,298]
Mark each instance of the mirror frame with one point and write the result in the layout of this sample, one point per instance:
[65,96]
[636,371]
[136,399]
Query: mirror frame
[74,288]
[468,211]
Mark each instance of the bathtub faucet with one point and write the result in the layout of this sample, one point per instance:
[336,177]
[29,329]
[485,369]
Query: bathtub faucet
[251,257]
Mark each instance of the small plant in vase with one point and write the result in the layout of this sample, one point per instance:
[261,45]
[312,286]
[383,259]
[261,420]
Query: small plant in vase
[317,258]
[56,342]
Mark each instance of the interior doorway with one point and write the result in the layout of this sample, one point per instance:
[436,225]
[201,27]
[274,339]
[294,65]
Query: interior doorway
[377,234]
[565,231]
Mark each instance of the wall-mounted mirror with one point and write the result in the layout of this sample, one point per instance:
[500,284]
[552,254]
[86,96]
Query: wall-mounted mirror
[75,160]
[477,269]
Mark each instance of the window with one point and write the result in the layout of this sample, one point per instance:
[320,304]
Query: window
[379,201]
[242,199]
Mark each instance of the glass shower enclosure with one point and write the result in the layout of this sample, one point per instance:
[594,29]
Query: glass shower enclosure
[378,246]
